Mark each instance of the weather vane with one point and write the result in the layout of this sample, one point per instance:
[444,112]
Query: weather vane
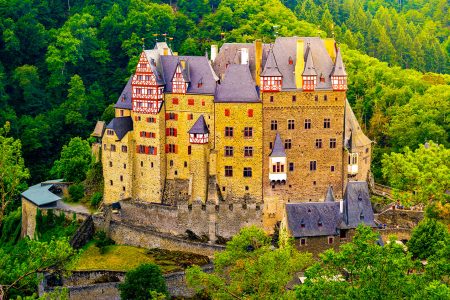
[143,43]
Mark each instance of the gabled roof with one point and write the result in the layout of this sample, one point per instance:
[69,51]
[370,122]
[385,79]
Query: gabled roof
[199,126]
[99,129]
[200,75]
[309,64]
[278,147]
[121,126]
[357,206]
[354,136]
[153,58]
[40,194]
[330,195]
[237,86]
[271,67]
[339,68]
[124,100]
[184,71]
[313,218]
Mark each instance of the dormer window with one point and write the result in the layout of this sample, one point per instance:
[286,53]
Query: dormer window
[302,224]
[360,198]
[290,60]
[319,223]
[361,217]
[309,82]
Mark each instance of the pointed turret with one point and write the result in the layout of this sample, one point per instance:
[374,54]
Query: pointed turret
[309,75]
[271,75]
[199,132]
[338,74]
[277,162]
[330,195]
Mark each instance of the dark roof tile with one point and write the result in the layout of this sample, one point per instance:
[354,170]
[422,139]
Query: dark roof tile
[237,86]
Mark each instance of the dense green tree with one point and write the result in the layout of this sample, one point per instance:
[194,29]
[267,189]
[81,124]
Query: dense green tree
[194,9]
[140,282]
[12,170]
[426,238]
[250,268]
[420,177]
[76,158]
[30,97]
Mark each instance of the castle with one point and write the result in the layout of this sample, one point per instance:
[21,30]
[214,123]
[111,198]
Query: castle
[253,124]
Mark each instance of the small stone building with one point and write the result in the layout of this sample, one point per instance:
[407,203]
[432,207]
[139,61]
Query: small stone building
[317,226]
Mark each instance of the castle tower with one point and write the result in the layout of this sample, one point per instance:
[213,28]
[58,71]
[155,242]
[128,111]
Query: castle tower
[199,139]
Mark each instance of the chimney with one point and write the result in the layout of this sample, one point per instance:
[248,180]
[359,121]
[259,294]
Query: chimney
[244,56]
[299,64]
[165,51]
[258,61]
[330,45]
[213,52]
[341,206]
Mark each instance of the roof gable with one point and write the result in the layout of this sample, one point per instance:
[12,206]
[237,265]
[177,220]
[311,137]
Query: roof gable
[199,126]
[237,86]
[357,205]
[278,147]
[121,126]
[271,67]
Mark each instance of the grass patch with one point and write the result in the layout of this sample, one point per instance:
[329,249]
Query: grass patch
[125,258]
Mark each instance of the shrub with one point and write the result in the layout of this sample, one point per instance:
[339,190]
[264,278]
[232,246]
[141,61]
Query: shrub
[140,282]
[426,236]
[76,192]
[96,199]
[102,240]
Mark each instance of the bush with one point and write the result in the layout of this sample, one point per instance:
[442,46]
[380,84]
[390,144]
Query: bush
[96,199]
[76,192]
[142,281]
[426,236]
[102,240]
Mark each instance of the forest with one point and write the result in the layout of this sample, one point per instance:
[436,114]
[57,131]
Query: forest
[64,63]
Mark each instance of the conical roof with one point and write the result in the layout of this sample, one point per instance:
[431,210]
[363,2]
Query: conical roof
[309,65]
[271,66]
[278,148]
[200,126]
[339,68]
[330,195]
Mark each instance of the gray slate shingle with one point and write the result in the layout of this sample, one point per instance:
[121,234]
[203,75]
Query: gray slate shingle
[121,125]
[237,86]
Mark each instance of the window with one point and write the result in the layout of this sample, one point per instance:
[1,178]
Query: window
[229,151]
[203,102]
[353,158]
[124,166]
[343,234]
[171,148]
[171,131]
[303,241]
[151,120]
[185,164]
[110,132]
[316,98]
[273,125]
[104,146]
[189,150]
[248,132]
[367,150]
[326,123]
[124,149]
[307,123]
[110,163]
[312,165]
[190,101]
[228,171]
[121,177]
[247,172]
[142,163]
[291,166]
[270,145]
[318,143]
[171,163]
[171,116]
[227,112]
[325,97]
[330,240]
[111,182]
[288,144]
[113,148]
[271,98]
[137,118]
[294,98]
[190,116]
[291,124]
[229,131]
[332,143]
[332,168]
[121,112]
[250,113]
[175,101]
[123,188]
[248,151]
[278,168]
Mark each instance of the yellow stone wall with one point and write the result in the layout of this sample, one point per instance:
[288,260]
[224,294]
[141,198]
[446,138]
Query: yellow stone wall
[303,184]
[29,211]
[120,112]
[235,187]
[179,168]
[117,167]
[199,172]
[149,170]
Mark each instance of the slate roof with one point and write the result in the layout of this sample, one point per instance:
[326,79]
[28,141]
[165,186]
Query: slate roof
[357,206]
[40,194]
[354,136]
[124,100]
[199,126]
[339,68]
[271,67]
[278,147]
[309,64]
[313,218]
[200,71]
[330,195]
[121,126]
[237,86]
